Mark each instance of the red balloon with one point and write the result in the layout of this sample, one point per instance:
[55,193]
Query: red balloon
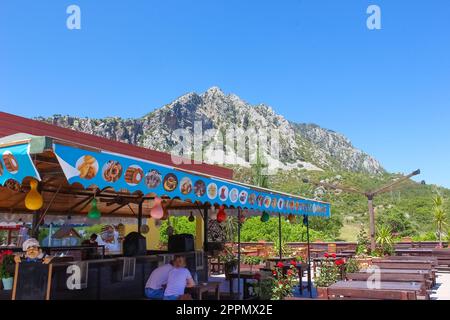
[221,214]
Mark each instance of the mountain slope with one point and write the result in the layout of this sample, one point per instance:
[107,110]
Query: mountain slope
[304,146]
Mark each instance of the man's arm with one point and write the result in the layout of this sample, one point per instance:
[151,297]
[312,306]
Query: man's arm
[190,282]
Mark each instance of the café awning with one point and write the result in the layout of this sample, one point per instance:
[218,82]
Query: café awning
[91,167]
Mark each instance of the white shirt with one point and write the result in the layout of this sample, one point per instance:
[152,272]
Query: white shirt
[159,277]
[177,281]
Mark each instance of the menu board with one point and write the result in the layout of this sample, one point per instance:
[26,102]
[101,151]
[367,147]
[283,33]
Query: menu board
[32,281]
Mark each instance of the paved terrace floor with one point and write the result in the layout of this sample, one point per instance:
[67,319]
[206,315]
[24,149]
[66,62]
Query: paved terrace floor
[442,289]
[440,292]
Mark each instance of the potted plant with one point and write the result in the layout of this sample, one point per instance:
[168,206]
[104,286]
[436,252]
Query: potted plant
[329,274]
[385,241]
[283,282]
[229,260]
[7,269]
[352,266]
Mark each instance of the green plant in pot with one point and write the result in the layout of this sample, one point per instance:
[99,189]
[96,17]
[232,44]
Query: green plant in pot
[229,260]
[385,241]
[252,261]
[7,269]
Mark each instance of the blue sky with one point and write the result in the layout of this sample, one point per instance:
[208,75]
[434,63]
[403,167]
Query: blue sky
[312,60]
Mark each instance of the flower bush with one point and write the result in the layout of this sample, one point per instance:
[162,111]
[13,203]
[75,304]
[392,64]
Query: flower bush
[6,264]
[329,271]
[283,282]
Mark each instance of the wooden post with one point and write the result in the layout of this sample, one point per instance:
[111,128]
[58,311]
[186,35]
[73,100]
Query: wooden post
[205,242]
[279,237]
[372,223]
[306,219]
[140,216]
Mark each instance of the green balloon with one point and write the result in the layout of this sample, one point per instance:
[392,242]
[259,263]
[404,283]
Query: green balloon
[265,216]
[94,213]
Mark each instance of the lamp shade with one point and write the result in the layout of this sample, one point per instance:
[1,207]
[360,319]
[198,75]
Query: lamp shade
[94,213]
[34,200]
[157,211]
[221,214]
[265,216]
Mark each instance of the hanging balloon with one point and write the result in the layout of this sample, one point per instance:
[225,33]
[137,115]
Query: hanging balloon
[243,217]
[34,200]
[221,214]
[170,231]
[145,229]
[213,213]
[157,211]
[291,218]
[265,216]
[94,213]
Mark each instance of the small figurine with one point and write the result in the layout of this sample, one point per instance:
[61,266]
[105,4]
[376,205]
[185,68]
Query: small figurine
[32,253]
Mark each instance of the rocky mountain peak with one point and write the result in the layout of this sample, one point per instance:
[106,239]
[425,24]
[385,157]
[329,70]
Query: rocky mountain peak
[306,146]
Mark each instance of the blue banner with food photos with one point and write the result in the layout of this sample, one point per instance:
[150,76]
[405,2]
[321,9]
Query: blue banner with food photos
[16,165]
[104,169]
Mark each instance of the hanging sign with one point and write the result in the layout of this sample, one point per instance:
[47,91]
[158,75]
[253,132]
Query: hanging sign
[104,169]
[16,165]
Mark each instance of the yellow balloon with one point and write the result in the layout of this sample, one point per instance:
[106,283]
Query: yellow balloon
[34,200]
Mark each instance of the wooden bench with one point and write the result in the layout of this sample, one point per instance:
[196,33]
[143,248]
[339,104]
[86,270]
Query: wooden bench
[408,265]
[369,294]
[414,265]
[431,259]
[443,256]
[397,277]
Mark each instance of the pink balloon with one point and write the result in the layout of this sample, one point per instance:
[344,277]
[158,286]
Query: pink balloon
[157,211]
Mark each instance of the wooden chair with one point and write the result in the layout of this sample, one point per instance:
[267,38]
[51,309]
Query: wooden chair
[331,248]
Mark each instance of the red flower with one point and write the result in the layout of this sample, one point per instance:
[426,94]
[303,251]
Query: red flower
[333,255]
[326,255]
[274,272]
[289,273]
[280,264]
[293,263]
[339,262]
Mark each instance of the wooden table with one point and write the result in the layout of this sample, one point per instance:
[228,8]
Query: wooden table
[245,276]
[414,252]
[206,287]
[384,285]
[429,273]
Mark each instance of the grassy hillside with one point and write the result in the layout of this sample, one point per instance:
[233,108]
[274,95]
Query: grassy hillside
[407,208]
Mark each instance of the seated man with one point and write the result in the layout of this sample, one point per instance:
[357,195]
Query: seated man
[179,278]
[156,281]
